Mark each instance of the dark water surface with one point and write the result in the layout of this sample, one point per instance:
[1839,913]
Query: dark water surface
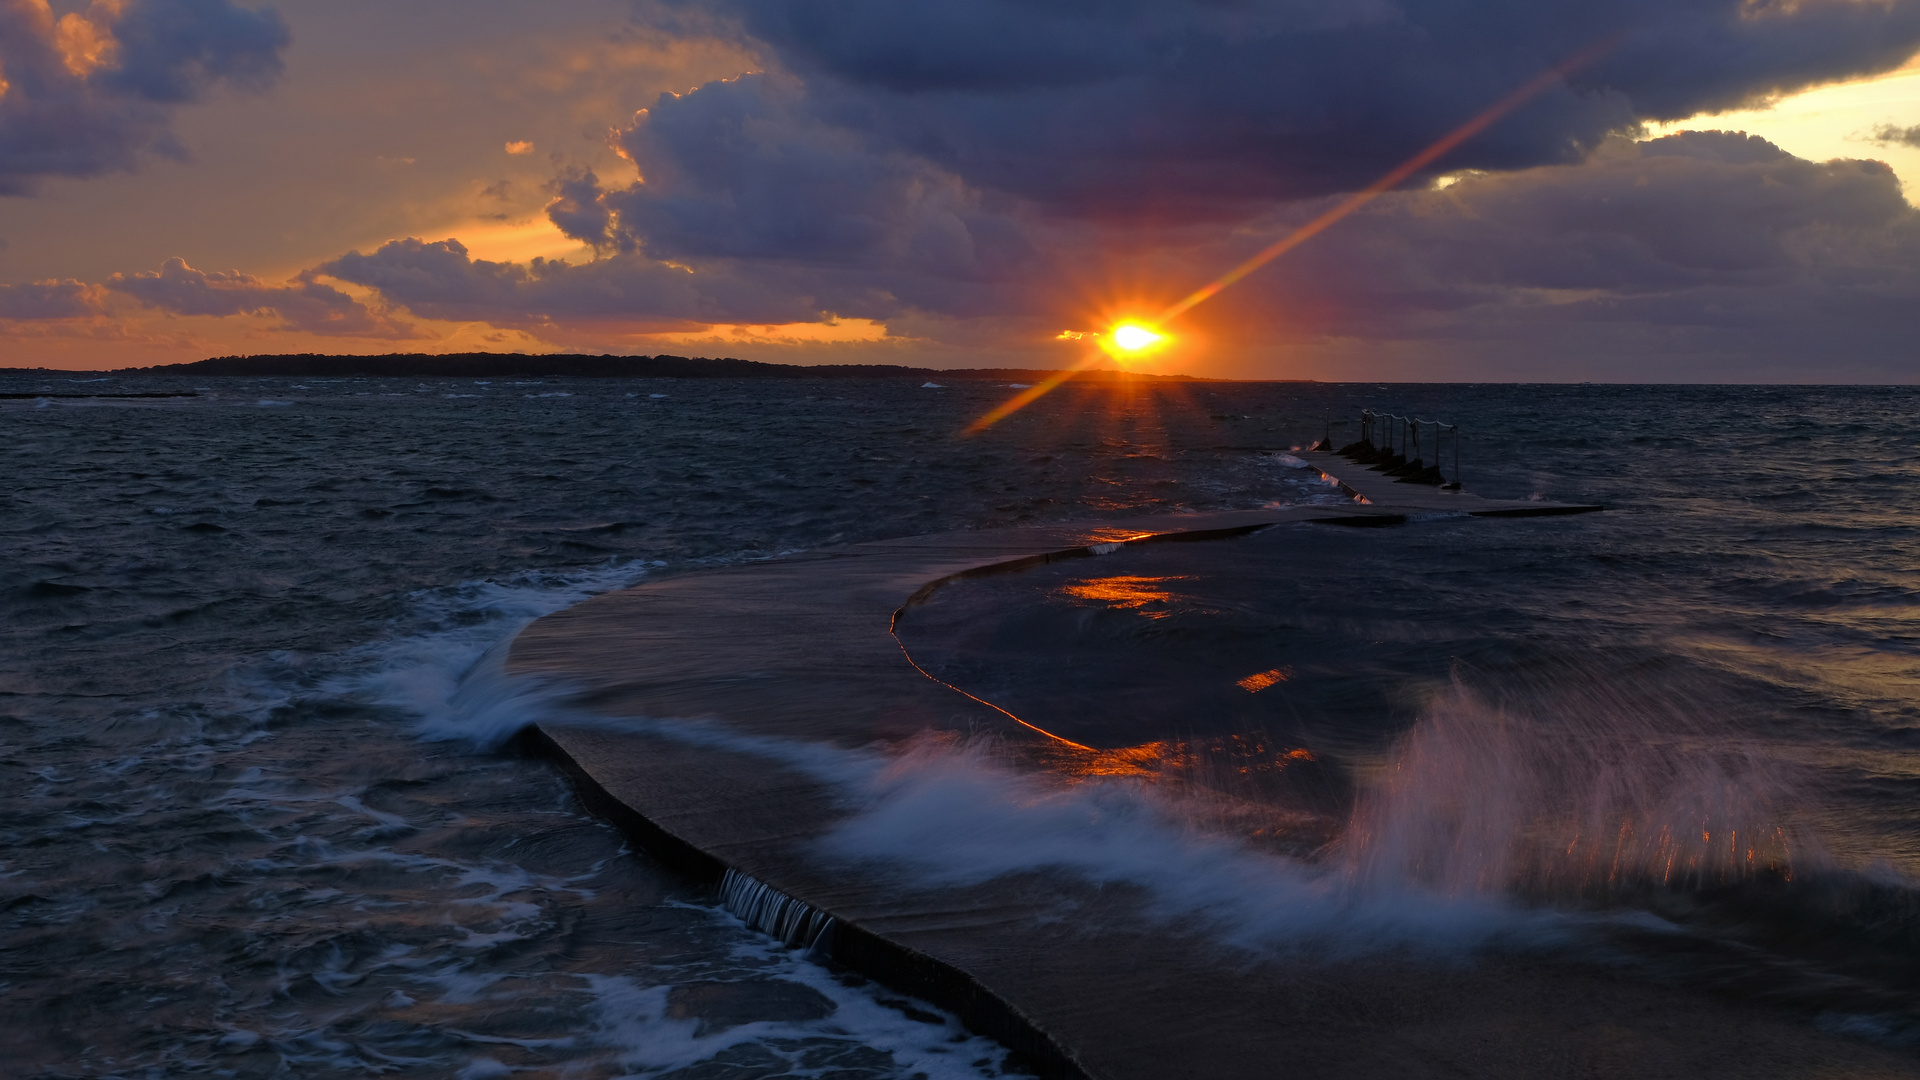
[253,823]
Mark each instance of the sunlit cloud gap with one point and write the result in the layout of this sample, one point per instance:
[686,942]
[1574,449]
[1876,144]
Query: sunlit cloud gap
[1387,182]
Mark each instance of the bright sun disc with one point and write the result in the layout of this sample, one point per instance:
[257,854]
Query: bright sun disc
[1133,338]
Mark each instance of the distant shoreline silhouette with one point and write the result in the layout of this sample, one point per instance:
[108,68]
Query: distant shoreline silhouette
[576,365]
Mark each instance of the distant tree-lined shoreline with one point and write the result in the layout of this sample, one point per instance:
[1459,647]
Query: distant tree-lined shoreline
[575,365]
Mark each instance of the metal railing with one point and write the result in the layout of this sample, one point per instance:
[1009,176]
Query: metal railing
[1394,443]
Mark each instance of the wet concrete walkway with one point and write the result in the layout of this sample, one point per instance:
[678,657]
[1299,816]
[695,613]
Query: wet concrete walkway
[1080,980]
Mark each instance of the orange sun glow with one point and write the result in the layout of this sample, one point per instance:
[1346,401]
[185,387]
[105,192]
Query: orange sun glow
[1132,337]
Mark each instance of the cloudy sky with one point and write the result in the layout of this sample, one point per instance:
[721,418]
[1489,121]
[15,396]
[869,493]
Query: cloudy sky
[1712,190]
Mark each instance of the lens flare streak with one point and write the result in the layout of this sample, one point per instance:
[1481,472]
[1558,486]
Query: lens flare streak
[1393,178]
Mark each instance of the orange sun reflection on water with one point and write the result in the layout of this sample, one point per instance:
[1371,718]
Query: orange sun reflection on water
[1179,759]
[1261,680]
[1128,592]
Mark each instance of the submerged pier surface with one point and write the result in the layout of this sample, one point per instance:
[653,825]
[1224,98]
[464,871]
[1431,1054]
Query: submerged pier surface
[724,678]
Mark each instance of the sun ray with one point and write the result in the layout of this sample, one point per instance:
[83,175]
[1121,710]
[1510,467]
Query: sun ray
[1152,333]
[1393,178]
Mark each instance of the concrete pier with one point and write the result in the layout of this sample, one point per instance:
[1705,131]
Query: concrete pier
[1384,491]
[1081,981]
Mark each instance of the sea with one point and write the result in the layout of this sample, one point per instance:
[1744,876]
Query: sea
[261,813]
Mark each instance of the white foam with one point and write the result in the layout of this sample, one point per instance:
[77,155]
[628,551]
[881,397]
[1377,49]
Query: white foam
[954,817]
[450,675]
[634,1020]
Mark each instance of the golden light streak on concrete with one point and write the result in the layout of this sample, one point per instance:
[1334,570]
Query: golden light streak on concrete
[1261,680]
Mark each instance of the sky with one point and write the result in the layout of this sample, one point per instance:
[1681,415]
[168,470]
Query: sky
[1656,190]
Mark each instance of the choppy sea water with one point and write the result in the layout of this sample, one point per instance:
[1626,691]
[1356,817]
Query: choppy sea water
[255,821]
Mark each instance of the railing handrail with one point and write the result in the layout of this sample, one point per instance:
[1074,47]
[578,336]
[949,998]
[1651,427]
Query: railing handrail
[1408,450]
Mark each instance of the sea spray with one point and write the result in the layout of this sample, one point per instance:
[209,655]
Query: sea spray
[1588,793]
[1487,821]
[957,812]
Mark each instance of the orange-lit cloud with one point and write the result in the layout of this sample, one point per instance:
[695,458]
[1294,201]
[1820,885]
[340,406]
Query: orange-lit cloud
[828,331]
[49,300]
[86,42]
[519,146]
[304,304]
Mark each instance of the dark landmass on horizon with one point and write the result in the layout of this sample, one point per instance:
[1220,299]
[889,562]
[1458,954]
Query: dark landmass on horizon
[563,365]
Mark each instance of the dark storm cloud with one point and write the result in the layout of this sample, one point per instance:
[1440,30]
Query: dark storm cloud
[49,300]
[984,158]
[579,210]
[1707,237]
[172,50]
[1691,209]
[1198,108]
[440,280]
[746,171]
[304,305]
[1894,135]
[949,157]
[91,92]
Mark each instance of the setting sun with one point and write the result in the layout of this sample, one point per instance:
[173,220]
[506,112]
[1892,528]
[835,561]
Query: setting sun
[1129,337]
